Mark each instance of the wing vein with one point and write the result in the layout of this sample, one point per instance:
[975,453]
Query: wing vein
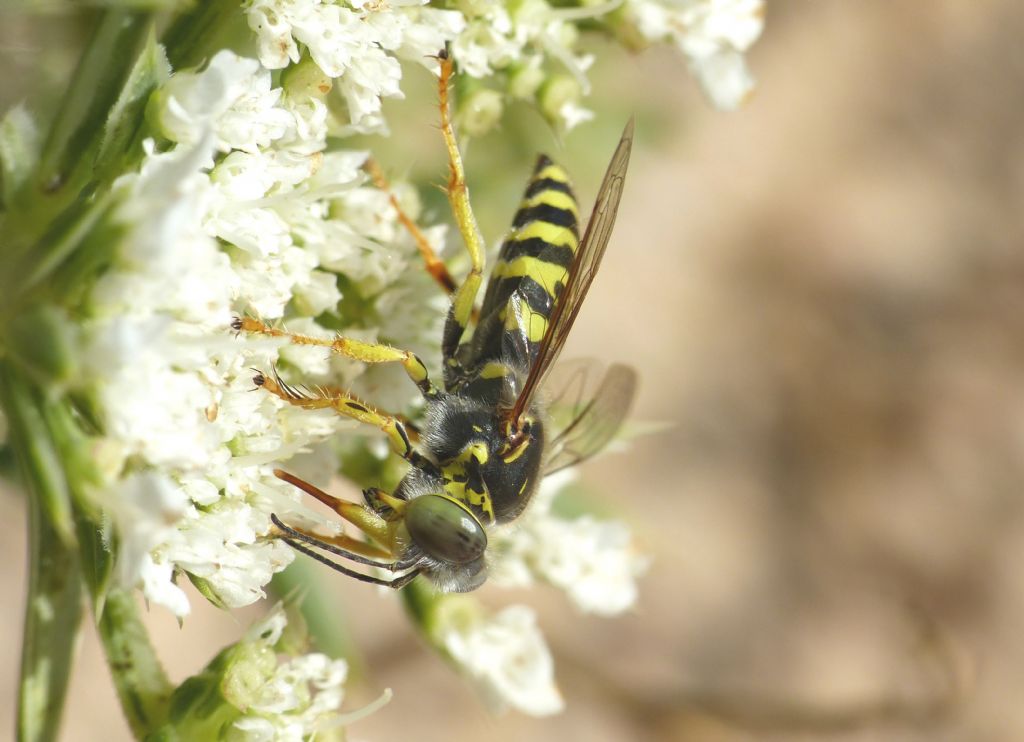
[581,274]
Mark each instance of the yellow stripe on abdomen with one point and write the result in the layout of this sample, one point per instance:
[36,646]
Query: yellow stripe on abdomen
[557,199]
[550,233]
[552,172]
[544,273]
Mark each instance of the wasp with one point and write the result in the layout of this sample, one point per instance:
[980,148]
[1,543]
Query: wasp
[489,434]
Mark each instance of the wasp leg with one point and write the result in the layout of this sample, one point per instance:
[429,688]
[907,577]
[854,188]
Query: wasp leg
[344,404]
[340,544]
[397,583]
[435,266]
[358,350]
[461,310]
[362,517]
[412,430]
[298,538]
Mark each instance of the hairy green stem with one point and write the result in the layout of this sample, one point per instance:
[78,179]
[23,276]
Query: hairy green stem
[141,683]
[53,608]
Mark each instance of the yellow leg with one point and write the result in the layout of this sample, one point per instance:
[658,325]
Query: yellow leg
[458,196]
[348,543]
[355,349]
[358,515]
[435,267]
[344,404]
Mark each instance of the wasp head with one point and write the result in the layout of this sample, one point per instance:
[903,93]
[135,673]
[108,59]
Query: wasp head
[489,465]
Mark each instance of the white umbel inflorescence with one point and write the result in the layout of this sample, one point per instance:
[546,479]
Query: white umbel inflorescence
[237,216]
[238,208]
[359,44]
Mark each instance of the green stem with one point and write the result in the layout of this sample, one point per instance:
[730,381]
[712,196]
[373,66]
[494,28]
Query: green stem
[53,609]
[53,614]
[141,683]
[38,458]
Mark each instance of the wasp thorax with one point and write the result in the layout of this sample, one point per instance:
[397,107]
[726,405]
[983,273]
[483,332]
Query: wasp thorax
[445,529]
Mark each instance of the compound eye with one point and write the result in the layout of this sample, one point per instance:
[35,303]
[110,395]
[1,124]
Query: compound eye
[445,529]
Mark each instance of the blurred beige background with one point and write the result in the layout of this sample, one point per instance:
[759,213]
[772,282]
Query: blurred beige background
[824,294]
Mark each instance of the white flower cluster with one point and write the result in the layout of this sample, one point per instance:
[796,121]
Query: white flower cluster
[357,43]
[507,660]
[535,47]
[593,561]
[713,34]
[241,215]
[284,700]
[528,50]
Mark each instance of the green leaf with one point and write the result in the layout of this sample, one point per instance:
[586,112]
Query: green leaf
[197,35]
[73,142]
[206,590]
[79,456]
[97,562]
[125,128]
[59,247]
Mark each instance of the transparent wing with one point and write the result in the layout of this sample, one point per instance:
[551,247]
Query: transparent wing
[586,411]
[581,272]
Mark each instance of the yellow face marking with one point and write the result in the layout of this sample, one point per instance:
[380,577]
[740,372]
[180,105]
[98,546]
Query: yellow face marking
[556,199]
[550,233]
[455,476]
[476,451]
[516,452]
[459,492]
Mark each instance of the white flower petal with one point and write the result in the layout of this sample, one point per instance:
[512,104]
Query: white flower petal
[508,661]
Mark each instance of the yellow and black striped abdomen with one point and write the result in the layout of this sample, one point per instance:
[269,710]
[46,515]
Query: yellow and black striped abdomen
[534,262]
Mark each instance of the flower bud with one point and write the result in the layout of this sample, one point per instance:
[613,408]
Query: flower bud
[525,79]
[306,79]
[559,101]
[479,111]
